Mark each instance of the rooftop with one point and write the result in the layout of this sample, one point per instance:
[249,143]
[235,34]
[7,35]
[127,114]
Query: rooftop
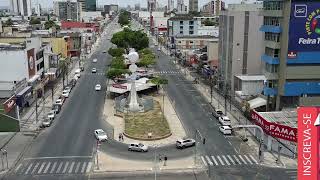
[208,37]
[181,17]
[251,77]
[284,117]
[6,46]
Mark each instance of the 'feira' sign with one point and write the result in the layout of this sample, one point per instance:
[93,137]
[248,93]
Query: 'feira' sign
[308,143]
[304,29]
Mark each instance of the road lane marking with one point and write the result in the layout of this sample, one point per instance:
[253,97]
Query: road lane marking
[224,157]
[210,162]
[89,167]
[83,167]
[18,167]
[242,159]
[254,160]
[28,169]
[47,168]
[222,163]
[248,159]
[214,160]
[231,159]
[65,167]
[58,157]
[41,167]
[77,167]
[35,168]
[238,161]
[53,167]
[71,167]
[204,161]
[59,167]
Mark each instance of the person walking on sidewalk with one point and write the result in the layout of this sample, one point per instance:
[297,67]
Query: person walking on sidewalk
[119,136]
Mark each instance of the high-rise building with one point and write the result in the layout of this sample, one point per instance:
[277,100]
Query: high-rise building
[181,7]
[193,5]
[213,8]
[137,7]
[21,7]
[170,5]
[88,5]
[291,53]
[67,10]
[240,43]
[152,5]
[38,10]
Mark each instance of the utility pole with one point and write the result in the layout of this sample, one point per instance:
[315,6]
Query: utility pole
[36,107]
[155,163]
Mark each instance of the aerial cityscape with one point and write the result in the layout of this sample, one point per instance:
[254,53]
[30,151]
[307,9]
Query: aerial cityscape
[170,89]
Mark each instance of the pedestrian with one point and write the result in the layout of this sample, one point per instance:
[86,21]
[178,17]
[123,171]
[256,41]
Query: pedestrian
[122,137]
[119,136]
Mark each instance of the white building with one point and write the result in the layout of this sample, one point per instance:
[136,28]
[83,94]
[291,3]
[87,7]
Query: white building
[38,10]
[21,7]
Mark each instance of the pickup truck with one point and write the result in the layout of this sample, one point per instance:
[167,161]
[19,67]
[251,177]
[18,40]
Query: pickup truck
[217,113]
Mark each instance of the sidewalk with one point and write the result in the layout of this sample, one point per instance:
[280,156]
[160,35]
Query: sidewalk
[173,120]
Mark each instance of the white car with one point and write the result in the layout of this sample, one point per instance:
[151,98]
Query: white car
[65,93]
[100,135]
[59,101]
[94,60]
[68,88]
[94,70]
[224,120]
[137,147]
[184,143]
[97,87]
[226,130]
[51,114]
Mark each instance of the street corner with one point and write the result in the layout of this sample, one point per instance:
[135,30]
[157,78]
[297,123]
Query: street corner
[109,163]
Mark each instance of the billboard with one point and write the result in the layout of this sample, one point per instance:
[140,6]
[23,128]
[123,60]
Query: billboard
[304,27]
[273,129]
[31,63]
[308,143]
[9,104]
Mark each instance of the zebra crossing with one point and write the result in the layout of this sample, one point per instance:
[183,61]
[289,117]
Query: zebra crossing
[54,166]
[228,160]
[95,74]
[292,174]
[167,72]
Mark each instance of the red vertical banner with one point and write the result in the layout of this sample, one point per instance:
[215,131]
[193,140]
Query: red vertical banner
[308,143]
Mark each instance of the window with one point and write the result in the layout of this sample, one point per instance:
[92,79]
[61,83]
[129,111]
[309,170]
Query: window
[272,52]
[271,68]
[271,21]
[191,27]
[191,42]
[181,27]
[272,83]
[272,5]
[181,22]
[39,55]
[191,22]
[179,42]
[272,37]
[190,32]
[181,32]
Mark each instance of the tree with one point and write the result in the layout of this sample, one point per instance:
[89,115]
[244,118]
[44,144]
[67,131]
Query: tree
[118,63]
[146,60]
[9,22]
[207,22]
[49,24]
[128,38]
[144,51]
[124,18]
[116,52]
[194,13]
[159,81]
[113,73]
[34,21]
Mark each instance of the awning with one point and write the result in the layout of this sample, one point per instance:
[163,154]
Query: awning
[34,78]
[257,102]
[26,89]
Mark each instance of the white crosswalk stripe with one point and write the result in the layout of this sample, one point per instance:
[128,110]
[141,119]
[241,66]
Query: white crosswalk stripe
[209,160]
[214,160]
[53,165]
[228,160]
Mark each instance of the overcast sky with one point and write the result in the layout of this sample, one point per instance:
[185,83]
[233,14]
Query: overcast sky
[123,3]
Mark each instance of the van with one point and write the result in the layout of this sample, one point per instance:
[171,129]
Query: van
[77,72]
[225,121]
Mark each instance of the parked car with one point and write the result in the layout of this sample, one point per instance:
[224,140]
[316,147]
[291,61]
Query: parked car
[217,113]
[65,93]
[137,147]
[226,130]
[97,87]
[184,143]
[77,73]
[59,102]
[100,135]
[225,121]
[94,60]
[94,70]
[46,123]
[51,115]
[56,108]
[68,88]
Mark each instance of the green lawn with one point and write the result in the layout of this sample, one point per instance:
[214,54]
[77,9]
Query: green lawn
[138,125]
[8,124]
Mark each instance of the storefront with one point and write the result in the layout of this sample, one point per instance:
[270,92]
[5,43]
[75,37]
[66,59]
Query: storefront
[25,97]
[280,128]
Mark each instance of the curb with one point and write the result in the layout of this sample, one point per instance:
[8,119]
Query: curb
[146,139]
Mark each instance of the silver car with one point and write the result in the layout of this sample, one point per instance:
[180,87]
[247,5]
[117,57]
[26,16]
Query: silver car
[184,143]
[137,147]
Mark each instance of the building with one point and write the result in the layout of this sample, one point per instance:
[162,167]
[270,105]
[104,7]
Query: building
[152,5]
[21,7]
[88,5]
[181,7]
[240,44]
[67,10]
[110,8]
[137,7]
[193,5]
[38,10]
[213,8]
[291,55]
[170,5]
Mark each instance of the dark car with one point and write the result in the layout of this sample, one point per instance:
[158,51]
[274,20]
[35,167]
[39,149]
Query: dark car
[56,108]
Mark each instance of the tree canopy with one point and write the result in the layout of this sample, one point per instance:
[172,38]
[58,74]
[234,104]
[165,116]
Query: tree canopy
[49,24]
[8,22]
[129,38]
[34,21]
[208,22]
[118,63]
[124,18]
[116,52]
[113,73]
